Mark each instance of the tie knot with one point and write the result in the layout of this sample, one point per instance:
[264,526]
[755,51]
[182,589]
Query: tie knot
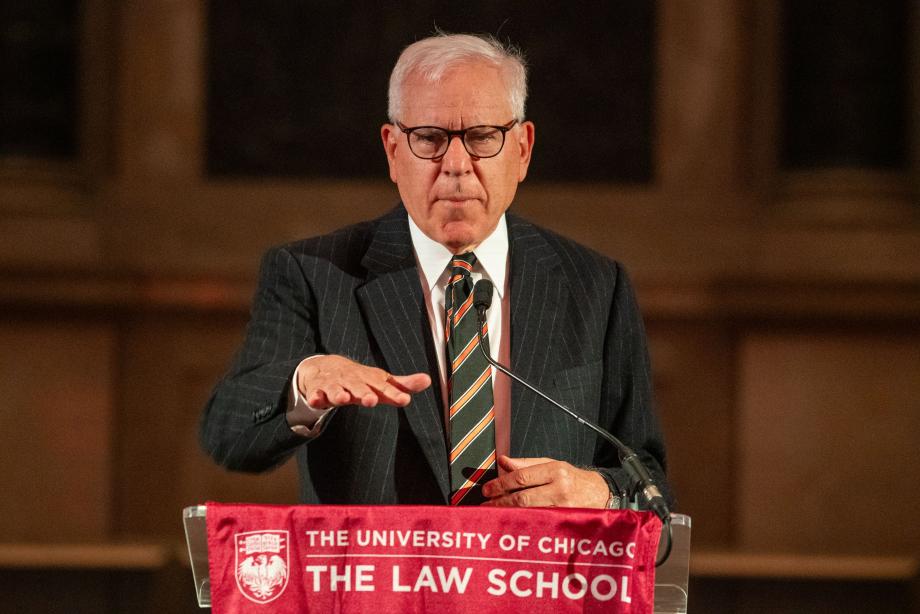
[462,264]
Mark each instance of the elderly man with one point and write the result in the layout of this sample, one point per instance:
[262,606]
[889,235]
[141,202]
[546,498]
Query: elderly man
[362,355]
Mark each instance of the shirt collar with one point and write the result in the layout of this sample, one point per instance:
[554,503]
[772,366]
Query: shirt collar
[491,255]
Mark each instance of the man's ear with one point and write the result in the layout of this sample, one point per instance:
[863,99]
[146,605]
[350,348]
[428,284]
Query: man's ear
[524,142]
[389,135]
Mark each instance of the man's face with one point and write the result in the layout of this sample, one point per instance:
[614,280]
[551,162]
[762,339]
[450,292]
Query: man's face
[457,199]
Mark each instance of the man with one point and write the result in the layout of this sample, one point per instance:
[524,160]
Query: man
[360,357]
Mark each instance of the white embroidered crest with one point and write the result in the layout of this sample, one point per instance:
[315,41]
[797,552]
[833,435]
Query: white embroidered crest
[262,564]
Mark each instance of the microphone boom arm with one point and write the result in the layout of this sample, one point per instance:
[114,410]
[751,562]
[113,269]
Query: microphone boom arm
[629,460]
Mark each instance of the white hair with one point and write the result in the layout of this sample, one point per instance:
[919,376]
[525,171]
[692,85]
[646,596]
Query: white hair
[430,58]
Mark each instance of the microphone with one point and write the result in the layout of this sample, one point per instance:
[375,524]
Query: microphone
[629,460]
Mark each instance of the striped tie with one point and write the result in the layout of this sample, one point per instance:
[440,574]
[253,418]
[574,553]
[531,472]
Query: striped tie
[472,423]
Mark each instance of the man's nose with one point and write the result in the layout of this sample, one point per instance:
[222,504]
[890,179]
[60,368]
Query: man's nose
[456,160]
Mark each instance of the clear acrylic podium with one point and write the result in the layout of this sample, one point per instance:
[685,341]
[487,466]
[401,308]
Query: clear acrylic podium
[670,579]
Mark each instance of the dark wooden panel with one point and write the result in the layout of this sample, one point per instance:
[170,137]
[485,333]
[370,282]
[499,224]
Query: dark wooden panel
[169,366]
[845,83]
[693,368]
[300,89]
[38,78]
[56,412]
[828,425]
[779,596]
[168,590]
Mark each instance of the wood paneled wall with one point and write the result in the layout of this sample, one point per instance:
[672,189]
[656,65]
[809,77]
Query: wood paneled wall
[783,307]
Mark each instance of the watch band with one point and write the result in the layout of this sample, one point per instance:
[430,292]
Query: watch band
[615,499]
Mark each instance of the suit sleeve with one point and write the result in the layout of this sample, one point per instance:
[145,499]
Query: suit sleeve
[243,426]
[627,401]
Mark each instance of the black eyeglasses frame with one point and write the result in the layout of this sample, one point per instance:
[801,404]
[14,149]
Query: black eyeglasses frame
[460,133]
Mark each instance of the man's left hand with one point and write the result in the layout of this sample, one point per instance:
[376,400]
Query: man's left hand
[544,482]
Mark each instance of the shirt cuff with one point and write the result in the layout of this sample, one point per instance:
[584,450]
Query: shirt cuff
[311,418]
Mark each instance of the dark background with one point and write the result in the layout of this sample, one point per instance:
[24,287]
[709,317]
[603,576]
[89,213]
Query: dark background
[299,89]
[755,165]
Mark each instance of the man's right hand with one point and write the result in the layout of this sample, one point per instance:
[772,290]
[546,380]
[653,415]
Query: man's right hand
[330,381]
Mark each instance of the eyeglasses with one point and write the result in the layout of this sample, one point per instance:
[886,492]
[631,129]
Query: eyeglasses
[431,142]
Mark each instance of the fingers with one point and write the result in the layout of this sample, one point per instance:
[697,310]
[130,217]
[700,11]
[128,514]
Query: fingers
[411,383]
[543,482]
[512,464]
[398,389]
[331,381]
[517,478]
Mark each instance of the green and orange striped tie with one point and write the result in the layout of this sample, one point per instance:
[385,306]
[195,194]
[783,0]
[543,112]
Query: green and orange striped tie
[469,384]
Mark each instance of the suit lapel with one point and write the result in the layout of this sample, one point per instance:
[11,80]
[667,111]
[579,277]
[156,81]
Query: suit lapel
[396,315]
[538,298]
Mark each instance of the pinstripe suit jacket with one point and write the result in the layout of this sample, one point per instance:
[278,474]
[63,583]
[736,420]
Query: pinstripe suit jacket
[575,332]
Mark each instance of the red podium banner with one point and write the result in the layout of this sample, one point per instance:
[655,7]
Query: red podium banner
[325,558]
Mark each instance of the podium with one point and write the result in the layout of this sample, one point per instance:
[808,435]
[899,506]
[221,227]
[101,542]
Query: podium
[671,578]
